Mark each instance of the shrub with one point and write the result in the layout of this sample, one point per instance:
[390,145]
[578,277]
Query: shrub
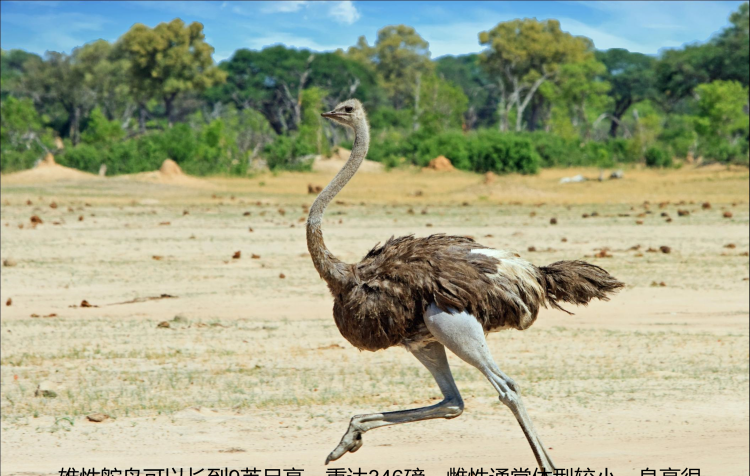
[658,157]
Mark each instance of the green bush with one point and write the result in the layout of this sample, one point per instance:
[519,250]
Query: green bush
[658,157]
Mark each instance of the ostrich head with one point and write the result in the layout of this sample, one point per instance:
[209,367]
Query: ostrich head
[348,113]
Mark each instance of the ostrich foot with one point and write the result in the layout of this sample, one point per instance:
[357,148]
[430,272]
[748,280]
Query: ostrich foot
[350,442]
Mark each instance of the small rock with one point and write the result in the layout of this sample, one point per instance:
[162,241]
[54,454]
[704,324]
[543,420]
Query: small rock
[163,324]
[254,256]
[9,262]
[282,276]
[553,221]
[429,225]
[53,205]
[237,255]
[45,389]
[531,249]
[250,229]
[157,257]
[97,417]
[85,303]
[604,253]
[585,215]
[730,246]
[247,214]
[727,214]
[9,302]
[564,240]
[185,212]
[639,222]
[683,213]
[36,220]
[180,319]
[665,249]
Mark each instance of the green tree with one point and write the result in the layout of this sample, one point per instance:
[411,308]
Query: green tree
[400,57]
[466,72]
[60,79]
[23,137]
[168,60]
[442,105]
[722,117]
[105,74]
[523,54]
[12,69]
[632,77]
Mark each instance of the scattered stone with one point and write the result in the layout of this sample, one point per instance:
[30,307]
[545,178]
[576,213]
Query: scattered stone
[603,253]
[465,204]
[80,218]
[247,214]
[410,211]
[250,229]
[564,240]
[745,253]
[164,223]
[9,302]
[281,211]
[157,257]
[97,417]
[489,178]
[237,255]
[185,212]
[163,325]
[532,214]
[668,220]
[254,256]
[553,221]
[429,225]
[85,303]
[9,262]
[651,250]
[683,213]
[706,205]
[313,189]
[661,284]
[730,246]
[53,205]
[424,212]
[727,214]
[639,222]
[665,249]
[531,249]
[45,389]
[29,202]
[616,174]
[282,276]
[36,220]
[634,248]
[585,215]
[180,319]
[594,214]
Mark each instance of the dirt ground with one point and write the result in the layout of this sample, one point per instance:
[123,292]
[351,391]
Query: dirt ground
[252,372]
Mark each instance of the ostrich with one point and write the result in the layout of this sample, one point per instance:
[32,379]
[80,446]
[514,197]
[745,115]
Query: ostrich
[440,291]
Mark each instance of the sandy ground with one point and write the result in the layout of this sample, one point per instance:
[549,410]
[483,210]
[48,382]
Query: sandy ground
[252,372]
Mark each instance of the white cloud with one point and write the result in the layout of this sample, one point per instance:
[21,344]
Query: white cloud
[289,40]
[283,7]
[344,12]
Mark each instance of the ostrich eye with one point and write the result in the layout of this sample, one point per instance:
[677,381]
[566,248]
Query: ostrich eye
[348,109]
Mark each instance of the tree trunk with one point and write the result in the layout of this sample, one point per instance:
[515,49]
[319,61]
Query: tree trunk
[169,108]
[416,101]
[620,109]
[142,118]
[521,106]
[75,126]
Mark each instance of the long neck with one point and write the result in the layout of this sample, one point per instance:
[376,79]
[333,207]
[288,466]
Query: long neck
[330,268]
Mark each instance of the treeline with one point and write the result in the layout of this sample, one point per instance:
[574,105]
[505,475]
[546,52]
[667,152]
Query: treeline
[536,96]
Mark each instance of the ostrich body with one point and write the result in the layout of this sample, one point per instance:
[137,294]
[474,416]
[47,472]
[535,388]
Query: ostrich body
[436,292]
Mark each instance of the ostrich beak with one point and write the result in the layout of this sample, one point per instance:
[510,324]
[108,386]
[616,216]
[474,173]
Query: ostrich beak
[330,114]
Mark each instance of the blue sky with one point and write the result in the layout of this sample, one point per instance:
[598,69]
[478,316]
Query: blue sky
[449,27]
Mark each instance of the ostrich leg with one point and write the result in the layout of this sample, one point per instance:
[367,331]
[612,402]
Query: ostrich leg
[433,357]
[464,336]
